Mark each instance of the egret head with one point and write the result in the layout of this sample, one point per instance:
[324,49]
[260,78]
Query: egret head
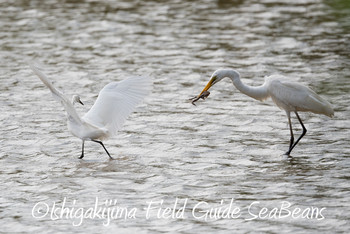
[76,99]
[219,75]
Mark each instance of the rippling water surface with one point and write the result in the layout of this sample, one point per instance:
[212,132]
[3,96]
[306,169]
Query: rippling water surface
[228,147]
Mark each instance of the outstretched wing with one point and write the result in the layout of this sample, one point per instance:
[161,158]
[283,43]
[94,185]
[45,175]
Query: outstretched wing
[116,101]
[55,92]
[59,96]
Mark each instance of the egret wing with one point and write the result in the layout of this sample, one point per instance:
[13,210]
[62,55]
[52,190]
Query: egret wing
[298,97]
[116,101]
[55,92]
[59,96]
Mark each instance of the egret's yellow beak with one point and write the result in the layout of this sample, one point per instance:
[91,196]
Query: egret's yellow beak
[210,83]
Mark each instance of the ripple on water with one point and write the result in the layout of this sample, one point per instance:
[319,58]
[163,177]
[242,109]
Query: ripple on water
[228,146]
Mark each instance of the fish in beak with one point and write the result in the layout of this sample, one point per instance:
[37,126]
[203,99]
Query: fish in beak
[205,93]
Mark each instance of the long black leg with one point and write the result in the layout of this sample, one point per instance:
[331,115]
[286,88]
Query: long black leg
[291,133]
[100,142]
[82,151]
[302,134]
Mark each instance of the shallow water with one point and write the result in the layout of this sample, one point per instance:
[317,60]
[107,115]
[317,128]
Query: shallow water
[228,147]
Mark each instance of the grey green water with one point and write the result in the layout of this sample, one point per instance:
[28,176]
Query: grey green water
[227,149]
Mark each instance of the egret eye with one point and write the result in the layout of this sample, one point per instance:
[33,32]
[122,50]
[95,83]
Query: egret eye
[281,90]
[115,102]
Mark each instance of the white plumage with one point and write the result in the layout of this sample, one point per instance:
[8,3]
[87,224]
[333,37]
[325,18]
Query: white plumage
[124,96]
[287,95]
[115,102]
[292,96]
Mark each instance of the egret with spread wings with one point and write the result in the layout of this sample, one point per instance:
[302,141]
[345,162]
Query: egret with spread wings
[115,102]
[287,95]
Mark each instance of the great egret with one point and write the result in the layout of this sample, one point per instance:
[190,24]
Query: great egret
[287,95]
[114,104]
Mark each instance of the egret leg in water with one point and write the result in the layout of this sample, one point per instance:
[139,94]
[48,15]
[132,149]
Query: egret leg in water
[100,142]
[115,102]
[291,146]
[287,95]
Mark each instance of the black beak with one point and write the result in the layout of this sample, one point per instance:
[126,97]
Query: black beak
[81,102]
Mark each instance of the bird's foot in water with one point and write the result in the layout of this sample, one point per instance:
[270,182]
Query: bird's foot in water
[110,157]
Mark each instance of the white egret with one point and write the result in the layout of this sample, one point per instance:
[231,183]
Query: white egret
[114,104]
[287,95]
